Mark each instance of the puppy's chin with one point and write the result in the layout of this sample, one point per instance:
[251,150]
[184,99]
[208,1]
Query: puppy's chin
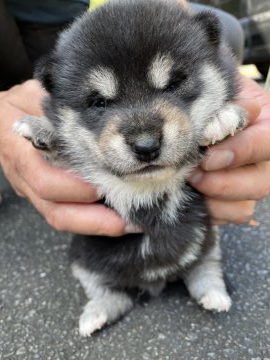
[152,174]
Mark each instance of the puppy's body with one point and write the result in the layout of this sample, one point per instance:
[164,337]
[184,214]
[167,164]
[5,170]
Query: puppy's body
[135,88]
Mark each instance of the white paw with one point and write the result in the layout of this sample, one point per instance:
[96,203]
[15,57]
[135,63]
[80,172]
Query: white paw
[23,129]
[216,300]
[228,122]
[90,321]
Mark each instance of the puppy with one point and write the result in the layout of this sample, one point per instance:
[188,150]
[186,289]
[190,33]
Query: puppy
[136,88]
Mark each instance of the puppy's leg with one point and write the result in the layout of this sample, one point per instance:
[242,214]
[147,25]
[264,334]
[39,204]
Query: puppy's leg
[228,121]
[105,305]
[206,284]
[156,288]
[39,130]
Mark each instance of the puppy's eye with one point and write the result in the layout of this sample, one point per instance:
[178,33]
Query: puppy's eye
[97,102]
[174,85]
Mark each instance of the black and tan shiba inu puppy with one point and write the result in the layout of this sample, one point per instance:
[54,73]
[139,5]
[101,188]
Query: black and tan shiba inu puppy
[136,88]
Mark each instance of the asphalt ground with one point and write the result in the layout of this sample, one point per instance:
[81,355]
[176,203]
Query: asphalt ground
[40,302]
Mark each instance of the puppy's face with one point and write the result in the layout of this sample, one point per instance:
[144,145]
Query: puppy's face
[136,125]
[124,83]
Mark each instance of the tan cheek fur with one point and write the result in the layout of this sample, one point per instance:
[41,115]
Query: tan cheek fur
[111,140]
[176,122]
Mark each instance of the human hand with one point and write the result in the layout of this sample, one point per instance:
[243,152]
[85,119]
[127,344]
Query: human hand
[236,173]
[66,202]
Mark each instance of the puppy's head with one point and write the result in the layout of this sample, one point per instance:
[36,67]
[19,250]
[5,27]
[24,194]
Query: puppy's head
[131,85]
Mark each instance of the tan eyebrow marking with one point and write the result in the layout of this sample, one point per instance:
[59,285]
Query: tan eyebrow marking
[160,70]
[104,81]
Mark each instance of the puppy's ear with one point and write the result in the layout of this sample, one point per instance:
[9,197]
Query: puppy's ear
[211,25]
[43,72]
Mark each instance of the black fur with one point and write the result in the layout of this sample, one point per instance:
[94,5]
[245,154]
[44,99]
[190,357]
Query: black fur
[139,31]
[125,37]
[120,260]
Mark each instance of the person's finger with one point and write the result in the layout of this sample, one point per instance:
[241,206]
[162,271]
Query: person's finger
[249,146]
[250,89]
[86,219]
[2,94]
[236,212]
[250,182]
[251,106]
[91,219]
[30,102]
[50,182]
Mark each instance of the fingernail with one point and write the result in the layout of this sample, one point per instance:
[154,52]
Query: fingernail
[218,159]
[132,229]
[196,177]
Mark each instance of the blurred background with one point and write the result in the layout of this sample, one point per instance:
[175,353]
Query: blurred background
[254,17]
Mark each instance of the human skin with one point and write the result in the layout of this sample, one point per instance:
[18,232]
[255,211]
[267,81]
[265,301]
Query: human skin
[69,204]
[236,173]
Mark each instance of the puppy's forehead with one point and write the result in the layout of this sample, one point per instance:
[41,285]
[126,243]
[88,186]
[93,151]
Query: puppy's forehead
[104,81]
[159,71]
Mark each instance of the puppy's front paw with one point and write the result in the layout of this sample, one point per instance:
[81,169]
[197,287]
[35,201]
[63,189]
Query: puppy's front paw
[227,122]
[23,128]
[92,319]
[216,300]
[38,130]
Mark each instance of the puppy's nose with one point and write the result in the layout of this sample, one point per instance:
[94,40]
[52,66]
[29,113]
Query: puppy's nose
[146,148]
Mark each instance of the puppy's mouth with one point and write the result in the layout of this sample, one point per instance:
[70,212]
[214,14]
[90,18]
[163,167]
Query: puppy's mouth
[147,169]
[143,170]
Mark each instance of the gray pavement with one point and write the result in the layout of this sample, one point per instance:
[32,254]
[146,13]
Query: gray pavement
[40,302]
